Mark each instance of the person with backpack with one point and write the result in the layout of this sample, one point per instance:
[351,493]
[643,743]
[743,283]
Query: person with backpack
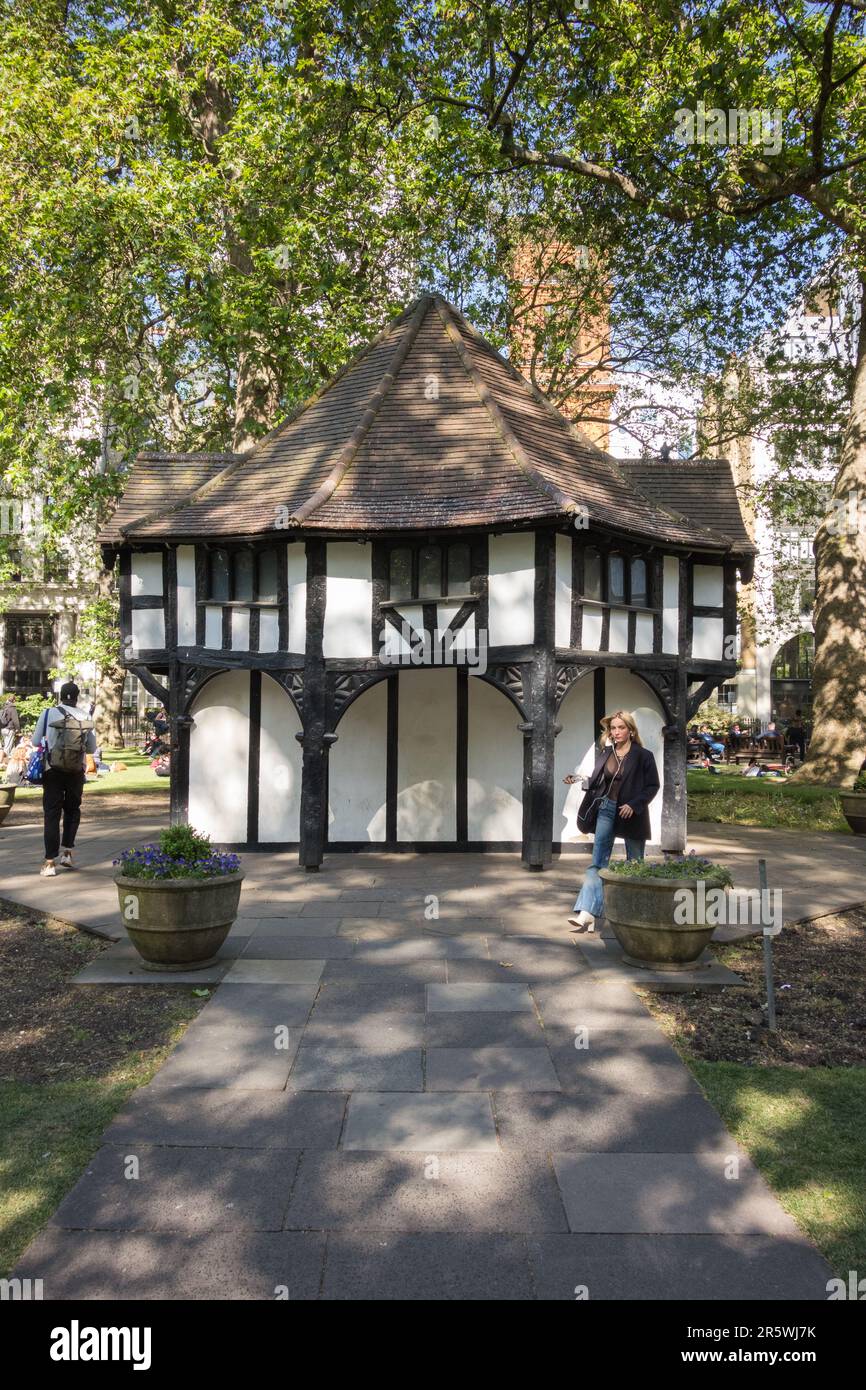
[66,734]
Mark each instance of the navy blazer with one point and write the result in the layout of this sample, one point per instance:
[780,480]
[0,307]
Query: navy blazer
[639,784]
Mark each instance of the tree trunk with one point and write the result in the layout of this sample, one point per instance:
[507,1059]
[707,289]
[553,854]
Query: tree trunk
[838,745]
[109,699]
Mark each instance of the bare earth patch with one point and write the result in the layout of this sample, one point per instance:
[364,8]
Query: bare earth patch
[820,975]
[52,1030]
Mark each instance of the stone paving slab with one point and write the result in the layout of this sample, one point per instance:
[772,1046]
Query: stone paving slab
[484,1029]
[271,1006]
[422,948]
[285,928]
[682,1267]
[181,1189]
[250,971]
[594,1119]
[456,1122]
[325,1067]
[490,1068]
[619,1063]
[588,1003]
[440,1266]
[297,948]
[230,1056]
[668,1194]
[468,998]
[109,1265]
[379,1032]
[363,998]
[472,1192]
[241,1119]
[366,971]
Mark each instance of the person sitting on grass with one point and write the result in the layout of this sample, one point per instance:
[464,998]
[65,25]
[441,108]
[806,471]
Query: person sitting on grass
[753,768]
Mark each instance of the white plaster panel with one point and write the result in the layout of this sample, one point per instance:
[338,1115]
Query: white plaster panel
[709,586]
[349,602]
[186,596]
[708,636]
[392,642]
[269,630]
[494,788]
[146,576]
[643,633]
[511,590]
[427,755]
[591,630]
[240,629]
[562,610]
[618,641]
[213,628]
[574,751]
[357,770]
[624,690]
[279,767]
[671,605]
[296,572]
[219,758]
[148,629]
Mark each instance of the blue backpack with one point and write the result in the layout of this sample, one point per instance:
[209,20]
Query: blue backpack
[35,767]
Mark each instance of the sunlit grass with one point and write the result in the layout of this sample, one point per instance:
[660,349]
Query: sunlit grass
[805,1129]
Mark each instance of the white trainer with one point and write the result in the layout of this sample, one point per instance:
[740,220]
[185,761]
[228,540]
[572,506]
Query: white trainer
[48,870]
[66,859]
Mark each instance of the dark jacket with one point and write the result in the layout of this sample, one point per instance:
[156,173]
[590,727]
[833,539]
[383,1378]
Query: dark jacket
[9,717]
[639,784]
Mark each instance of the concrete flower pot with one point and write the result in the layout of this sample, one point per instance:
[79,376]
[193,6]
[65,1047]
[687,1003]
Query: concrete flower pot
[854,810]
[178,923]
[7,796]
[643,914]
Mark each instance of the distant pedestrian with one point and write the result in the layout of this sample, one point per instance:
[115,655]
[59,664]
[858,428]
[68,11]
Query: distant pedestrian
[68,737]
[10,724]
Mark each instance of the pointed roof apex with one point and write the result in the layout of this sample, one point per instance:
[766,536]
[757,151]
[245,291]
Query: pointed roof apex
[427,428]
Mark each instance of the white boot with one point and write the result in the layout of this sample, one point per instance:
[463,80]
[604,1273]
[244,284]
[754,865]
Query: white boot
[584,921]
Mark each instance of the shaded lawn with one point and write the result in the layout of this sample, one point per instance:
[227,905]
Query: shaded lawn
[70,1055]
[730,798]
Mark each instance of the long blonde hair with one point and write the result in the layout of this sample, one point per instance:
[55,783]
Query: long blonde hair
[627,718]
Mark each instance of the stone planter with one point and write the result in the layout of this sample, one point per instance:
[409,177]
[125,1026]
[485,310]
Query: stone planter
[642,913]
[177,923]
[854,810]
[7,796]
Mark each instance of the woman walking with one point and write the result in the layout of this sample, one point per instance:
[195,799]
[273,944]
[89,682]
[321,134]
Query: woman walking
[623,783]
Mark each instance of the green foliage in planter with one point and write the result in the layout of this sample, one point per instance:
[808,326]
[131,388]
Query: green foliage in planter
[686,866]
[181,853]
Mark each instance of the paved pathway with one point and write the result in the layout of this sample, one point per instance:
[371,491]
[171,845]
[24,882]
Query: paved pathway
[383,1103]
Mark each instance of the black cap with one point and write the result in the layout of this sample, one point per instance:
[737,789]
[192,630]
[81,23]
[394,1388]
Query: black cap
[69,693]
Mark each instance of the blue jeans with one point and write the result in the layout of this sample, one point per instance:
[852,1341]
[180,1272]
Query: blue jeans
[591,896]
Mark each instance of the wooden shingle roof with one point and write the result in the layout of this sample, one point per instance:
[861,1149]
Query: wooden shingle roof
[704,490]
[427,428]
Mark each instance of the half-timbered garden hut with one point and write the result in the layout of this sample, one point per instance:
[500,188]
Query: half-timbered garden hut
[395,622]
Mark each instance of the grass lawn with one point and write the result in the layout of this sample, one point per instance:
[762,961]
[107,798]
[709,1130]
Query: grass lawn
[795,1099]
[730,798]
[138,778]
[805,1128]
[69,1057]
